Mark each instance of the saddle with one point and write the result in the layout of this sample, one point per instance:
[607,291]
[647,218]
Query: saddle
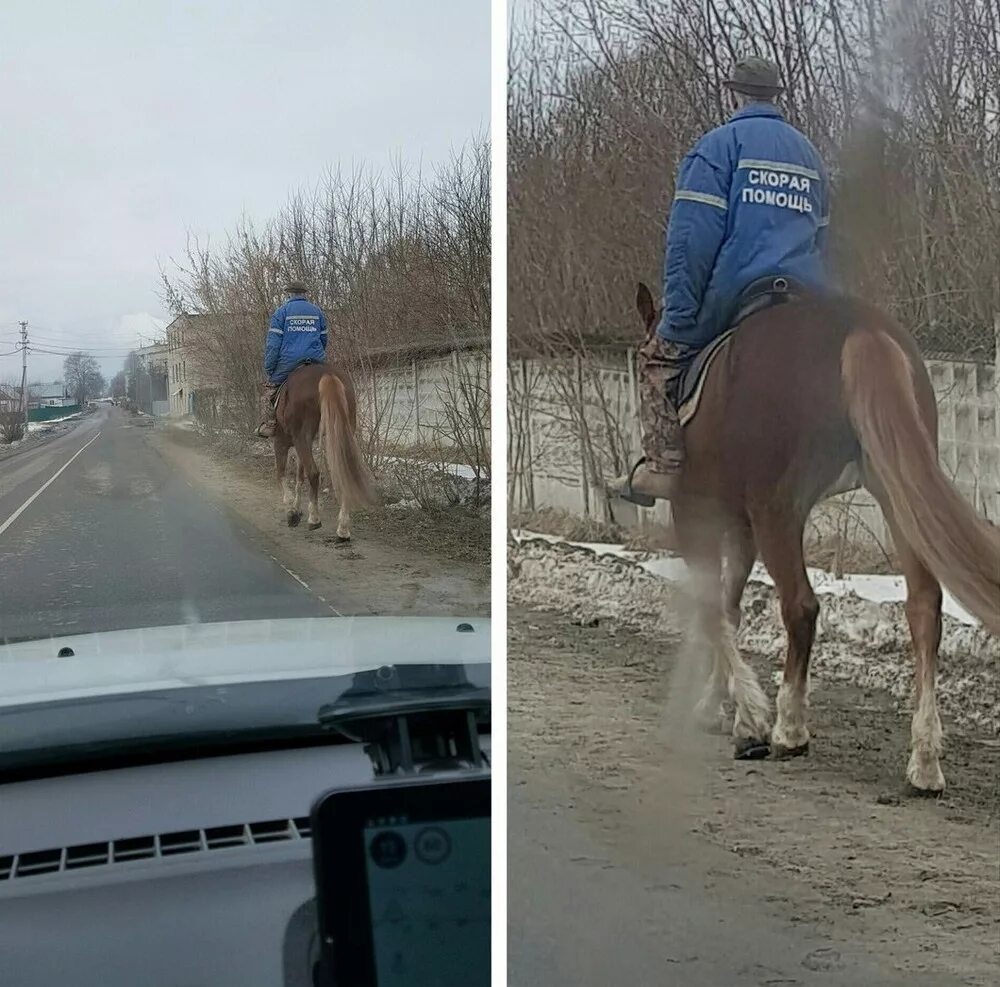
[281,387]
[759,295]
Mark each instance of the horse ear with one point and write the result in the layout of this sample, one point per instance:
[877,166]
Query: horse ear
[644,303]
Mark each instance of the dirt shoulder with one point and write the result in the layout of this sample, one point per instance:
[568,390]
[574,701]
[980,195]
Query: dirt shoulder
[38,438]
[398,562]
[913,882]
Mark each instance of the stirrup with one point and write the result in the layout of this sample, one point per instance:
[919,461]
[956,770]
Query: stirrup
[633,496]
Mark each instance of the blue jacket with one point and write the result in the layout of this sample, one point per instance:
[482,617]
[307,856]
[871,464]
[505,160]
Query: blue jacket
[297,334]
[752,201]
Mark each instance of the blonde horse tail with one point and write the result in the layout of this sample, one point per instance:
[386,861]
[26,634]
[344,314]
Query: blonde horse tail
[348,473]
[959,547]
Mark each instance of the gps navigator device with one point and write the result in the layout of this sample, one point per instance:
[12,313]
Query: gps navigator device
[403,883]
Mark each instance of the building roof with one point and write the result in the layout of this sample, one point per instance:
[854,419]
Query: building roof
[191,319]
[46,390]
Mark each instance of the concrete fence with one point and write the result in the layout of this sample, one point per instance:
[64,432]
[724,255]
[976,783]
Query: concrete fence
[442,402]
[574,424]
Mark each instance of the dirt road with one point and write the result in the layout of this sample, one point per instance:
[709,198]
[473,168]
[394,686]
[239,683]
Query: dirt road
[398,562]
[837,873]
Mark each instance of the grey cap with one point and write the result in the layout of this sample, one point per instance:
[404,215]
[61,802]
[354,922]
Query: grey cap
[296,286]
[755,76]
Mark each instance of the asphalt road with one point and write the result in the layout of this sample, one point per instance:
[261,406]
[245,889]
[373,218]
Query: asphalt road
[97,533]
[581,914]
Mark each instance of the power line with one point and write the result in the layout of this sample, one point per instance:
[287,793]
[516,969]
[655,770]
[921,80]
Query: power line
[103,343]
[83,342]
[93,356]
[74,347]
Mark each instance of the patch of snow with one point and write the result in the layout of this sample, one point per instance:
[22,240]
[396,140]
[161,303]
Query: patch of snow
[462,470]
[876,589]
[186,423]
[861,641]
[40,426]
[404,505]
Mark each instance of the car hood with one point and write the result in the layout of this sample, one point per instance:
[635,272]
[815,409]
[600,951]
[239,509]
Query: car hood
[144,659]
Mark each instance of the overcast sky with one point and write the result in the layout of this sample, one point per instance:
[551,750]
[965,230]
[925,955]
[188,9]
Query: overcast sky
[123,126]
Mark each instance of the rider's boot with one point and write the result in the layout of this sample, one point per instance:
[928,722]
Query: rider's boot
[269,421]
[657,475]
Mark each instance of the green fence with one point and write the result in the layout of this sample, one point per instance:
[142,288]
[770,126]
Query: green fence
[46,414]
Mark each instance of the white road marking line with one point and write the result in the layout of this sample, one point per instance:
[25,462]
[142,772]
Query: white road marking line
[300,581]
[303,583]
[44,486]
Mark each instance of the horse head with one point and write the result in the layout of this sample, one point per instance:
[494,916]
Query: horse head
[647,309]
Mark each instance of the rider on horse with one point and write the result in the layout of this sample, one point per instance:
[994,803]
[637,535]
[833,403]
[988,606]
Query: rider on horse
[751,205]
[297,335]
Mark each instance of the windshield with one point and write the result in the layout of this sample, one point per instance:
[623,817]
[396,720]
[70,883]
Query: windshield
[244,428]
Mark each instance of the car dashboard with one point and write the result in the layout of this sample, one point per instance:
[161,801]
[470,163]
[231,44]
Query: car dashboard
[189,874]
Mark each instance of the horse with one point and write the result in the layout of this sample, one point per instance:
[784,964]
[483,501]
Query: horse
[804,400]
[317,398]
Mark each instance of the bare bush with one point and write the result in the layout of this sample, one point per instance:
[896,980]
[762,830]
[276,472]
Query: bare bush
[11,426]
[400,263]
[465,400]
[605,97]
[430,485]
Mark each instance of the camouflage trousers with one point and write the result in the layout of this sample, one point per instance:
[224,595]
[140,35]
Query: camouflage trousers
[267,409]
[661,364]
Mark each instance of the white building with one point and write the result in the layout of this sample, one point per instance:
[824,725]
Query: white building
[183,379]
[48,396]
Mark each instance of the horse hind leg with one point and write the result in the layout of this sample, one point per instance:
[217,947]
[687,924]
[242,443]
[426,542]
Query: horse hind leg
[923,614]
[779,537]
[308,471]
[344,524]
[312,471]
[741,553]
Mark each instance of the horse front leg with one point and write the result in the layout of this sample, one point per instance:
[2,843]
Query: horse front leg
[310,471]
[281,450]
[289,491]
[739,556]
[294,515]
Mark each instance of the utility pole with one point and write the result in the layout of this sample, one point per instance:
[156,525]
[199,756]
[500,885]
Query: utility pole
[24,373]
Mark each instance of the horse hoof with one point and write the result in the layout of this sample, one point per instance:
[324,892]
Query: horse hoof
[313,525]
[923,777]
[923,793]
[780,753]
[341,540]
[293,518]
[750,749]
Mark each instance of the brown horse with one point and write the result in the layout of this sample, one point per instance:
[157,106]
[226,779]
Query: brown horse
[316,398]
[807,399]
